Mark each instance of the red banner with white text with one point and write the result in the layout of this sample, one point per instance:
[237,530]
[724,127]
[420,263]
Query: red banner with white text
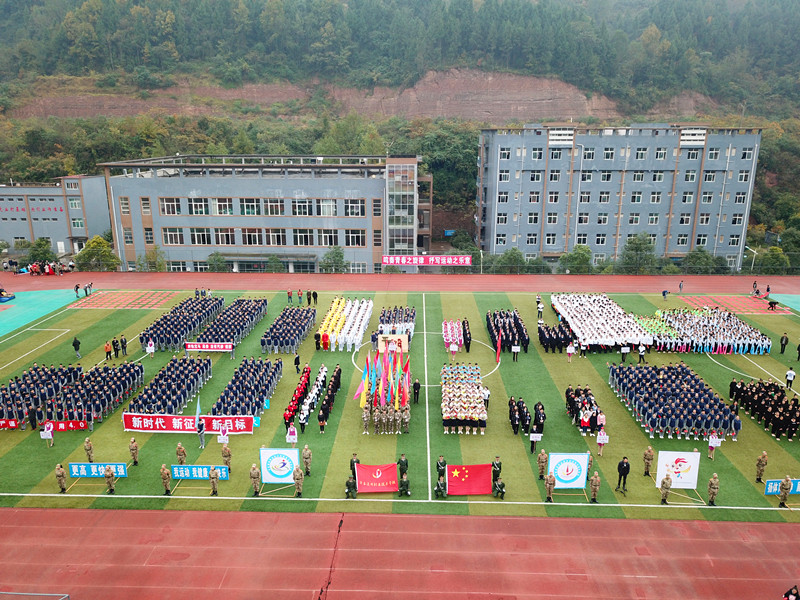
[377,478]
[208,346]
[181,424]
[74,425]
[9,423]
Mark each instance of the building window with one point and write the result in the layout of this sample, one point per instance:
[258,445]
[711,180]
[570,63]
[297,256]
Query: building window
[552,218]
[661,153]
[533,218]
[713,153]
[504,175]
[198,206]
[225,236]
[690,176]
[252,236]
[145,202]
[638,176]
[693,154]
[552,197]
[532,239]
[71,185]
[127,235]
[534,197]
[608,154]
[588,154]
[586,175]
[502,218]
[355,207]
[148,235]
[687,198]
[582,238]
[604,197]
[747,154]
[326,207]
[550,239]
[170,206]
[200,266]
[605,176]
[685,219]
[505,153]
[641,153]
[658,176]
[536,154]
[536,176]
[652,219]
[124,205]
[74,203]
[598,258]
[737,219]
[358,267]
[500,239]
[77,223]
[200,236]
[633,219]
[636,197]
[739,198]
[744,176]
[355,238]
[585,198]
[221,206]
[176,266]
[273,207]
[702,239]
[275,237]
[683,239]
[583,218]
[303,237]
[555,154]
[377,237]
[250,206]
[172,236]
[328,237]
[709,176]
[555,175]
[704,219]
[502,197]
[377,207]
[600,239]
[602,219]
[652,238]
[732,260]
[707,198]
[655,197]
[734,240]
[301,208]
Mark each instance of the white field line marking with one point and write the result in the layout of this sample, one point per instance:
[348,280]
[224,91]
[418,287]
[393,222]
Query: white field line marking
[427,407]
[34,325]
[35,349]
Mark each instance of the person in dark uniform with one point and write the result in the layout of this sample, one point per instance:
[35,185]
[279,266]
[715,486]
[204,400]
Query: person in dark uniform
[497,468]
[350,488]
[314,297]
[417,387]
[441,466]
[499,489]
[402,465]
[440,491]
[784,341]
[623,469]
[353,462]
[404,486]
[297,362]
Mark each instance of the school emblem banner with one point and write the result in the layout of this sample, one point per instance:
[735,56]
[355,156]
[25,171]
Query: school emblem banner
[683,466]
[377,478]
[277,464]
[569,469]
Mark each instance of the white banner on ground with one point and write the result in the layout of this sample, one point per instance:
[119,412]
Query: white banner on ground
[569,469]
[683,466]
[277,464]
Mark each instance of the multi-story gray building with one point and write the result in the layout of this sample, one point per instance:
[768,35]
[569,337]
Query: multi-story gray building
[546,188]
[67,212]
[251,207]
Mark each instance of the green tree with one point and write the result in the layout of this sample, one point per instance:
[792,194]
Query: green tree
[638,257]
[391,269]
[698,262]
[510,261]
[217,263]
[333,261]
[4,245]
[275,265]
[773,262]
[790,244]
[154,260]
[108,236]
[97,255]
[579,261]
[41,251]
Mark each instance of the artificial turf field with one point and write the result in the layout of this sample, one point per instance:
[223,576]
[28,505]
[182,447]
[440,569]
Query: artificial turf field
[26,464]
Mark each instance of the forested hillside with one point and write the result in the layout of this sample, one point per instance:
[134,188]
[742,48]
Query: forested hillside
[635,52]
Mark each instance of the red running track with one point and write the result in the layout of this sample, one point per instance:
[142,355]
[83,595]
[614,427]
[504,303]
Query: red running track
[641,284]
[102,554]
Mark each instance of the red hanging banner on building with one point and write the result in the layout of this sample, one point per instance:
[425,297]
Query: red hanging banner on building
[468,480]
[377,478]
[182,424]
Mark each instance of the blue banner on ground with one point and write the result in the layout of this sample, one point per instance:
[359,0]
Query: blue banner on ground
[773,487]
[97,469]
[197,472]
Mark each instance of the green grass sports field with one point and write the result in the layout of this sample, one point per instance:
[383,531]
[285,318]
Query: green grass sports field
[27,464]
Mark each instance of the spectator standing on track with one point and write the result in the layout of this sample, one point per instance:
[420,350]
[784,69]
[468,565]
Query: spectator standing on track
[77,287]
[680,287]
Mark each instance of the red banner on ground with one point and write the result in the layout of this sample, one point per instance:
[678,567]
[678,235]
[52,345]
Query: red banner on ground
[377,478]
[181,424]
[468,480]
[208,346]
[74,425]
[9,423]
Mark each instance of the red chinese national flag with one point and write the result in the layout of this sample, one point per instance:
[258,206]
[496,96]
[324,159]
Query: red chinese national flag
[466,480]
[377,478]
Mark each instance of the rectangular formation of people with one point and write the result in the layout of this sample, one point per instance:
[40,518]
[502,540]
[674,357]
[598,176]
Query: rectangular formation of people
[463,407]
[344,324]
